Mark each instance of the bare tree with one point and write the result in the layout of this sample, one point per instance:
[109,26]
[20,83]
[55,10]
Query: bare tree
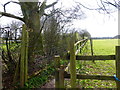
[15,29]
[103,6]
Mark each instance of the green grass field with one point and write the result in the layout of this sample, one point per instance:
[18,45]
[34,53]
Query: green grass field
[101,47]
[104,46]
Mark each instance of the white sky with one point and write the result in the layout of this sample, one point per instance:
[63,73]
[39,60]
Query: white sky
[99,25]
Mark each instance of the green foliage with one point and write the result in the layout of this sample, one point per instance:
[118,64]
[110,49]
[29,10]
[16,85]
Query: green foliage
[14,49]
[42,78]
[51,37]
[63,62]
[55,39]
[12,46]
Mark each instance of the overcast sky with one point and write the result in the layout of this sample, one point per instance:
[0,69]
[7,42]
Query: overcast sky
[99,25]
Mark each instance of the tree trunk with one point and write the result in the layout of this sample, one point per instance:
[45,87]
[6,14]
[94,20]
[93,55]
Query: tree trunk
[32,20]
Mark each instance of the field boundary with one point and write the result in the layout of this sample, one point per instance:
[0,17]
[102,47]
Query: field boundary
[62,74]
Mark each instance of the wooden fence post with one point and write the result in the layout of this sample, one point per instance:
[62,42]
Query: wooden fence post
[80,48]
[91,45]
[57,66]
[0,66]
[61,77]
[24,57]
[118,66]
[72,64]
[26,54]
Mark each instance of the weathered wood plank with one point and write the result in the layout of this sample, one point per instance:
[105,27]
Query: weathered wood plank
[22,61]
[118,66]
[72,63]
[95,57]
[91,45]
[61,77]
[97,77]
[57,65]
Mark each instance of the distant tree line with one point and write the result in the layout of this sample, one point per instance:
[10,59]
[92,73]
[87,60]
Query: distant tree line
[115,37]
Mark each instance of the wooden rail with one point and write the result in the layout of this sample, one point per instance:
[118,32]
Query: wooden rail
[77,44]
[80,41]
[72,56]
[97,77]
[95,57]
[80,46]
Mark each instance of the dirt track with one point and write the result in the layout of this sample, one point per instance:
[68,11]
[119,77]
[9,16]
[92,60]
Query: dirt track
[50,84]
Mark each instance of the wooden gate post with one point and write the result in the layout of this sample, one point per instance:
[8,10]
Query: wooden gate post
[0,68]
[72,64]
[91,45]
[57,66]
[118,66]
[61,77]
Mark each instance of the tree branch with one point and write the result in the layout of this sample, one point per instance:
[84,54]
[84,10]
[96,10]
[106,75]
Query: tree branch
[11,15]
[115,5]
[88,7]
[8,3]
[104,8]
[51,4]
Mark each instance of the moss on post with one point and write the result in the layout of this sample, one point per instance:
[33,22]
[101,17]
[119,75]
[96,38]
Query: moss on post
[91,45]
[118,66]
[57,65]
[72,64]
[24,57]
[61,77]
